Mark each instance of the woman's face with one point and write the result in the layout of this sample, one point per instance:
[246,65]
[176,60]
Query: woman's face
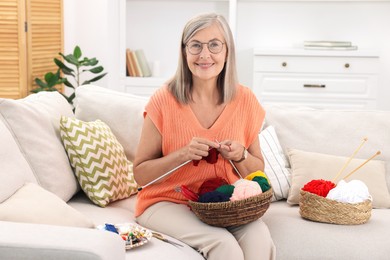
[207,64]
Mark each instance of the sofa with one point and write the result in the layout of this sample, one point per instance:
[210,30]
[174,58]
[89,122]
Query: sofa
[50,208]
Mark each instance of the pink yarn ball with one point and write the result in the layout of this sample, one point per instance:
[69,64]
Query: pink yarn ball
[245,189]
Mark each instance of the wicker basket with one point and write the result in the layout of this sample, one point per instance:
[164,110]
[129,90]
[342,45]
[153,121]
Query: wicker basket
[317,208]
[232,213]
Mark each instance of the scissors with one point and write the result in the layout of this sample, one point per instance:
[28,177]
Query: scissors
[162,238]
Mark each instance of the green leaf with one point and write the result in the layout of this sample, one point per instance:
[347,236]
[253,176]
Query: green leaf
[96,70]
[94,79]
[40,83]
[91,62]
[71,59]
[77,52]
[53,80]
[68,84]
[71,97]
[65,69]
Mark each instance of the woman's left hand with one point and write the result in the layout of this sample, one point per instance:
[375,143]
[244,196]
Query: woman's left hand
[231,150]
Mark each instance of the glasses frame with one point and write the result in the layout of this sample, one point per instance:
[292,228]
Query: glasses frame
[208,47]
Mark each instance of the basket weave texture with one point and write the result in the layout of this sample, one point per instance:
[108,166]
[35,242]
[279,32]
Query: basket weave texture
[317,208]
[232,213]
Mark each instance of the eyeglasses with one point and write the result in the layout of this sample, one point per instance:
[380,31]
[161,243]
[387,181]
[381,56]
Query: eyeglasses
[214,46]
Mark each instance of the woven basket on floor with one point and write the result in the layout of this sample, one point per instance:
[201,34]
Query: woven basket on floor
[232,213]
[317,208]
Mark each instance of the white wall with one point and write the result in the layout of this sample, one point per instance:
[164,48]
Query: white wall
[94,25]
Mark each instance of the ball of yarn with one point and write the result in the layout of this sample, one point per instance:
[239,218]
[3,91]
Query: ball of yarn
[263,182]
[319,187]
[211,185]
[244,189]
[214,196]
[354,191]
[227,189]
[256,174]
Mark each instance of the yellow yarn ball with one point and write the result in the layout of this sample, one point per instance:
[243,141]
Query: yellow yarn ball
[255,174]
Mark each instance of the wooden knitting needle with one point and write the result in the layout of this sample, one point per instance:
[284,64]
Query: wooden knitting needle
[164,175]
[369,159]
[349,160]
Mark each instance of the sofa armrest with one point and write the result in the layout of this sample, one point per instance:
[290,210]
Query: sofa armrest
[36,241]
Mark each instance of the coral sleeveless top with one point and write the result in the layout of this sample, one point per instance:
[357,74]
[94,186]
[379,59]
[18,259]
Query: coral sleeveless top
[240,120]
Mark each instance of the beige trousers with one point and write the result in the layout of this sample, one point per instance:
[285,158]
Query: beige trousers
[250,242]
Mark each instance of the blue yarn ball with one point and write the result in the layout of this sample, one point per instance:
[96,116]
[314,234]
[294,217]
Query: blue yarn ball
[214,196]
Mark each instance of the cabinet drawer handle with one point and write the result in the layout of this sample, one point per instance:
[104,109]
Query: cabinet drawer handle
[314,86]
[284,64]
[346,65]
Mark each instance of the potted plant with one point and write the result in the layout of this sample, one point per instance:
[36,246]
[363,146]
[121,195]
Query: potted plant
[72,68]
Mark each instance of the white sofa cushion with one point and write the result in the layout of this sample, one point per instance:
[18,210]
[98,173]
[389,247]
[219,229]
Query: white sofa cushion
[33,204]
[307,166]
[34,124]
[14,167]
[275,163]
[333,132]
[122,112]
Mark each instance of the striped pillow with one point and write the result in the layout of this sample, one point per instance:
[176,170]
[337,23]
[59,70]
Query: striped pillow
[98,159]
[275,163]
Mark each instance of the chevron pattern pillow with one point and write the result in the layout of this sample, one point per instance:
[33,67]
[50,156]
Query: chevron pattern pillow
[98,159]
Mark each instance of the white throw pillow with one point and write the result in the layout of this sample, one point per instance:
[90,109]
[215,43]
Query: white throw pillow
[122,112]
[33,204]
[307,166]
[275,163]
[14,169]
[34,123]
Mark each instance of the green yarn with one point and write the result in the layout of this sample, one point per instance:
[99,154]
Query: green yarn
[263,182]
[227,189]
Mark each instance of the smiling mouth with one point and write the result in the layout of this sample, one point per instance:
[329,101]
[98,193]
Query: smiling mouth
[205,65]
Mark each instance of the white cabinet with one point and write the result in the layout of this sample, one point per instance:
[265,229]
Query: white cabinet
[322,79]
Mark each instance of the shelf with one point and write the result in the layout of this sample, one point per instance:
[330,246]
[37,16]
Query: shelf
[303,52]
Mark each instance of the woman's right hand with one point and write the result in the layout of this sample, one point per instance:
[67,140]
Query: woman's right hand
[198,148]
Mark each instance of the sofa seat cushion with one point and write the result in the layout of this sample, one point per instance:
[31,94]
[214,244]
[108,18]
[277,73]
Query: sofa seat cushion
[298,238]
[122,211]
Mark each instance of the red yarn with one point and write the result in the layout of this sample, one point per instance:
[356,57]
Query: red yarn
[211,185]
[211,158]
[319,187]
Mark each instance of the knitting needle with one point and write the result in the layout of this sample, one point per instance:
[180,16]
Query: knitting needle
[349,160]
[164,175]
[377,153]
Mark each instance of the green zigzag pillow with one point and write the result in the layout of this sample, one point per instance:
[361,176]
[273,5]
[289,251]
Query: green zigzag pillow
[98,159]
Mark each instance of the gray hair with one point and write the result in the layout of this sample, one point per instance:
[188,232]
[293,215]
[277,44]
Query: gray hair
[181,84]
